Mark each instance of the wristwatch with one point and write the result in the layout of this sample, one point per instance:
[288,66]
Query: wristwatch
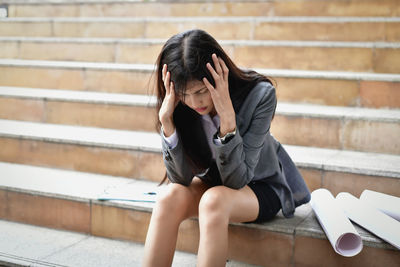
[227,137]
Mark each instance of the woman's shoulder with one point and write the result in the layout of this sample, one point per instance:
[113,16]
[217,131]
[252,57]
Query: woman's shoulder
[264,87]
[262,92]
[261,99]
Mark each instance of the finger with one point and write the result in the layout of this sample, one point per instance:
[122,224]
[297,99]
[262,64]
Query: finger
[217,64]
[224,69]
[176,99]
[167,82]
[212,71]
[164,71]
[172,93]
[171,89]
[208,85]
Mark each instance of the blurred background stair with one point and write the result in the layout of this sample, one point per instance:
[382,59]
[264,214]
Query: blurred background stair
[77,115]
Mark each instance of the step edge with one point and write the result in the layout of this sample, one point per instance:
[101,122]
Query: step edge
[337,112]
[368,238]
[329,75]
[149,68]
[213,19]
[78,130]
[34,192]
[60,183]
[51,179]
[85,200]
[236,43]
[139,100]
[83,143]
[325,163]
[350,170]
[78,96]
[15,260]
[19,261]
[77,65]
[89,2]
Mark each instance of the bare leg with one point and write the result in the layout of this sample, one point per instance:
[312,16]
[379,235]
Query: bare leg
[219,206]
[177,204]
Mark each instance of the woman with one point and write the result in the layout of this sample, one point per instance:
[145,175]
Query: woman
[223,164]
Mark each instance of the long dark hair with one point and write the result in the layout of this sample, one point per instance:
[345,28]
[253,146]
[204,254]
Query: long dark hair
[186,55]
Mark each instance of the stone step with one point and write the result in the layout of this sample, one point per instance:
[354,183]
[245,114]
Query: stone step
[68,200]
[28,245]
[379,57]
[222,28]
[135,154]
[95,109]
[346,128]
[318,87]
[49,8]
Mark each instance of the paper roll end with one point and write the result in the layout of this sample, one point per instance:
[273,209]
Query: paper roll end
[349,245]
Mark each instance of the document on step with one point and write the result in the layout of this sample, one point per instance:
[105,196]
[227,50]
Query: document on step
[334,215]
[132,192]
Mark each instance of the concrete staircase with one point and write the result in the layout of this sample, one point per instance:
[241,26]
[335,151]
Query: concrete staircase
[77,115]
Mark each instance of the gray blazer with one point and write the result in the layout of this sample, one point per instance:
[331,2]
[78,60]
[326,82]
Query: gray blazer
[253,154]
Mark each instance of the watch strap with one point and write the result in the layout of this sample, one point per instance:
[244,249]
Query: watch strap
[227,137]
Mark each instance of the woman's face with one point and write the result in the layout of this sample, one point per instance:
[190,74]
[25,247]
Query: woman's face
[198,98]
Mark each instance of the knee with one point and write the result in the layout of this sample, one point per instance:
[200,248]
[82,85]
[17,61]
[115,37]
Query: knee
[213,207]
[172,203]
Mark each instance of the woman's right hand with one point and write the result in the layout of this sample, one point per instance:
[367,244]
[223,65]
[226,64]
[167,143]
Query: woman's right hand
[168,105]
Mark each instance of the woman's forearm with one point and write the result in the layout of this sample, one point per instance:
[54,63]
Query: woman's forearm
[227,124]
[168,127]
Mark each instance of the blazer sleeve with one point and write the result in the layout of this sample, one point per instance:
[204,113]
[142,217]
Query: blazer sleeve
[176,163]
[237,159]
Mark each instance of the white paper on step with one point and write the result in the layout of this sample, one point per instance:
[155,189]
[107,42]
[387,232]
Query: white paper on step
[388,204]
[370,218]
[132,192]
[344,238]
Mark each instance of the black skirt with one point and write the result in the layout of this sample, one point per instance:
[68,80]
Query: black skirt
[268,201]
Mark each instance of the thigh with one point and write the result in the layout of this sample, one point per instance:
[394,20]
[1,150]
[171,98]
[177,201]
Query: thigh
[237,205]
[244,205]
[189,196]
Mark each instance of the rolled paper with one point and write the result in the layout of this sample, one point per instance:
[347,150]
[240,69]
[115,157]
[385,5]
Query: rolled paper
[388,204]
[370,218]
[341,233]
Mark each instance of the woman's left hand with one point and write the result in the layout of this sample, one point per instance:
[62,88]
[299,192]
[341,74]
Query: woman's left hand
[220,95]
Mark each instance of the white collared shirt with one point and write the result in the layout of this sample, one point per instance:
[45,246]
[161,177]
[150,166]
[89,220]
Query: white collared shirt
[210,126]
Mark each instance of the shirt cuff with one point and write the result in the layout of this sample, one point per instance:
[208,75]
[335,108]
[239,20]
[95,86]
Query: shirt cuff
[216,140]
[172,140]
